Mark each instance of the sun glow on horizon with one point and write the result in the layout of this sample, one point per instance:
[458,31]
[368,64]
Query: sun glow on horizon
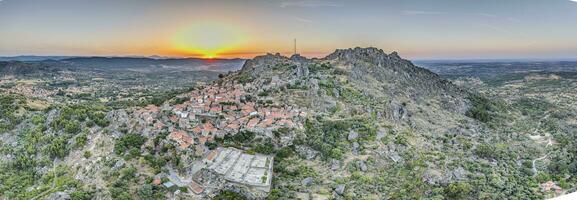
[208,39]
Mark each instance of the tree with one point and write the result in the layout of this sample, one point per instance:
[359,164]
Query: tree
[72,127]
[87,154]
[58,147]
[457,190]
[81,140]
[485,151]
[229,195]
[211,145]
[145,192]
[128,141]
[81,194]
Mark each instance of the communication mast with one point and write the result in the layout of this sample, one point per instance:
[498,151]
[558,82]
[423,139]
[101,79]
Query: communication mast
[295,46]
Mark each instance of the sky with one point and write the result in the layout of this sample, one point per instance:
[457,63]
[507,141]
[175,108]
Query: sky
[417,29]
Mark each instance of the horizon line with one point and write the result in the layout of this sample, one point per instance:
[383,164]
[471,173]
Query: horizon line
[416,59]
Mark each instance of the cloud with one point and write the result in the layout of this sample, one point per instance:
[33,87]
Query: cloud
[494,16]
[308,21]
[309,4]
[486,15]
[420,12]
[573,1]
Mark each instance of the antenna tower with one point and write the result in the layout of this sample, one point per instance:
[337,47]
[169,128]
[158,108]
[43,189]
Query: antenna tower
[295,46]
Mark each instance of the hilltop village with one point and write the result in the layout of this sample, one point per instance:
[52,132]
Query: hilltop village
[214,112]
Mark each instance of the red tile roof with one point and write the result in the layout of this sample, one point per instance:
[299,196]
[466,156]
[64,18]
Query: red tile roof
[181,138]
[196,188]
[253,122]
[173,119]
[157,181]
[212,155]
[197,130]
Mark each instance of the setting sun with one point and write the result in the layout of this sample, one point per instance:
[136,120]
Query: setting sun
[207,39]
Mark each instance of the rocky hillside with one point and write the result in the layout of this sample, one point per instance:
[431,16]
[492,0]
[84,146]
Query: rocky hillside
[350,82]
[378,126]
[357,124]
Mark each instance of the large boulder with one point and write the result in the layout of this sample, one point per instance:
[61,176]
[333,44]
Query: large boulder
[340,189]
[352,135]
[307,181]
[306,152]
[59,196]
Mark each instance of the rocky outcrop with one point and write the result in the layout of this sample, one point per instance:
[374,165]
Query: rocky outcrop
[395,75]
[370,70]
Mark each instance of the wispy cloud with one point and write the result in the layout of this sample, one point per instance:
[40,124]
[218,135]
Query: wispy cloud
[421,12]
[494,16]
[573,1]
[486,15]
[309,4]
[308,21]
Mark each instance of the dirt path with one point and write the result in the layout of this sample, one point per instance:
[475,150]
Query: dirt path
[535,160]
[549,143]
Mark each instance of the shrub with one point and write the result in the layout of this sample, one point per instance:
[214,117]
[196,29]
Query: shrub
[145,192]
[128,141]
[87,154]
[244,78]
[38,119]
[211,145]
[457,190]
[81,194]
[72,127]
[263,93]
[319,67]
[239,138]
[481,109]
[58,148]
[81,140]
[264,148]
[229,195]
[485,151]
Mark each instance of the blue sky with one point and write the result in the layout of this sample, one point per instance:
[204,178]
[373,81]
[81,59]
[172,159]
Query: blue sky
[424,29]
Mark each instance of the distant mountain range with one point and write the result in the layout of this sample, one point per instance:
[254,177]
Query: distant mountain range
[33,58]
[180,63]
[449,69]
[131,63]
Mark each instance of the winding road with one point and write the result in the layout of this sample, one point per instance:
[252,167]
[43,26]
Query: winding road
[549,143]
[535,160]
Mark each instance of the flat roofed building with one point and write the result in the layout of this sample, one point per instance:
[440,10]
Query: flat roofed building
[253,171]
